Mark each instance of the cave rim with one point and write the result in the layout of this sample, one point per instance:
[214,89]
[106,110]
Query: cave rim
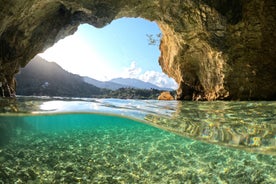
[67,14]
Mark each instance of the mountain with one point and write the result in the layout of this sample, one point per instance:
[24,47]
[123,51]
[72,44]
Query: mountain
[41,77]
[136,83]
[101,84]
[118,83]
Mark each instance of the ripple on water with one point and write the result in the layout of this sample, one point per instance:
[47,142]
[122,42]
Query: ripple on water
[89,147]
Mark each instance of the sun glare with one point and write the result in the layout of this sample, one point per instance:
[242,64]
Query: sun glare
[76,56]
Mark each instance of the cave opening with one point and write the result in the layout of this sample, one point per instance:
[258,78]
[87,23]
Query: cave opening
[126,49]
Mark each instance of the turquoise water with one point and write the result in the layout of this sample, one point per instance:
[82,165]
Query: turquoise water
[45,140]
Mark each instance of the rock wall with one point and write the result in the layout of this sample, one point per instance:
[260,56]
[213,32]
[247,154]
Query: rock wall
[214,49]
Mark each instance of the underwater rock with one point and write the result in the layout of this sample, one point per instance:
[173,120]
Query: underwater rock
[214,49]
[166,95]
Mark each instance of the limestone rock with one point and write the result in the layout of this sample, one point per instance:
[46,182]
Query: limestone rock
[214,49]
[166,95]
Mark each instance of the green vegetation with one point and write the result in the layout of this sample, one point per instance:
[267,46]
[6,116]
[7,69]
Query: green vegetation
[132,93]
[154,39]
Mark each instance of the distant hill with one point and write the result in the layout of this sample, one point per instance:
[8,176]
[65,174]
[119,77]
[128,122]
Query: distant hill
[136,83]
[41,77]
[118,83]
[101,84]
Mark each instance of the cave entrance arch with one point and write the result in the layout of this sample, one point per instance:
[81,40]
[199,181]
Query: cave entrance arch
[126,48]
[208,47]
[46,22]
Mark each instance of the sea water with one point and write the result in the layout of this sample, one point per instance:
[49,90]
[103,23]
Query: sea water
[59,140]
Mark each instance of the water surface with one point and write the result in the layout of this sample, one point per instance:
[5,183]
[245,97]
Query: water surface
[58,140]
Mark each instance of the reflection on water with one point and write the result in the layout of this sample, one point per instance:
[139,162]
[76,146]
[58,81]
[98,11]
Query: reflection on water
[245,125]
[58,140]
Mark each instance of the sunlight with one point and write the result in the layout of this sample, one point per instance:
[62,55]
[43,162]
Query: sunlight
[76,56]
[52,106]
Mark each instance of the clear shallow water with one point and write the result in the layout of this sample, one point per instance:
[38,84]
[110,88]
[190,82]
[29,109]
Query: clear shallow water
[61,140]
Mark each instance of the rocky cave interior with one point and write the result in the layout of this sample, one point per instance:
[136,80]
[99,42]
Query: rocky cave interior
[214,49]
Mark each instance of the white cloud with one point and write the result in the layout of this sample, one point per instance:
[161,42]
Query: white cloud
[158,78]
[133,71]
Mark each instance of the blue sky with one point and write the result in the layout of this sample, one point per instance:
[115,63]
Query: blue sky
[120,49]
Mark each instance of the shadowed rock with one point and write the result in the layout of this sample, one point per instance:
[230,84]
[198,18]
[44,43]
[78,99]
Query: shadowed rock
[213,49]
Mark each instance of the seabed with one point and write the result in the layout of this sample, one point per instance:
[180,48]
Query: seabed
[46,143]
[127,153]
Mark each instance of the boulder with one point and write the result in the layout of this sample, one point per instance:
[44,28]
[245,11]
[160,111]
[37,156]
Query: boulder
[166,95]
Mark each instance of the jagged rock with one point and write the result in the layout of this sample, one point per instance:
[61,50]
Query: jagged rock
[166,95]
[214,49]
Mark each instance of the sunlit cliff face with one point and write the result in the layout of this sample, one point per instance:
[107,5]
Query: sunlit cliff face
[215,49]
